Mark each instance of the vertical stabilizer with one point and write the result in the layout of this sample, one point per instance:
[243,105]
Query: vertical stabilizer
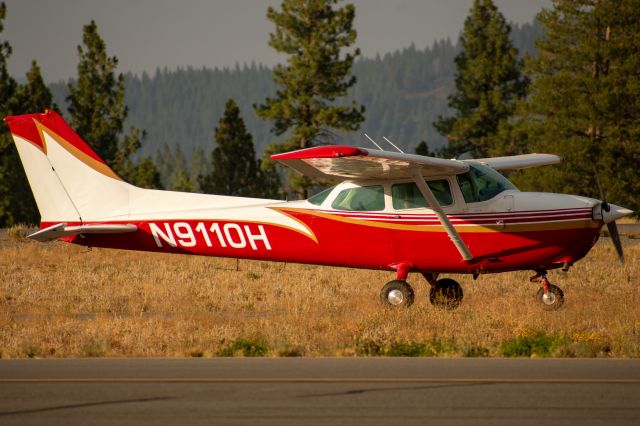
[70,182]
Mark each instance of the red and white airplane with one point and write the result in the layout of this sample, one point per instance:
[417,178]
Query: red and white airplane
[391,211]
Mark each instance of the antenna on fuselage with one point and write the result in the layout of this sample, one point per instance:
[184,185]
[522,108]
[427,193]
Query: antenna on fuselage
[392,144]
[373,142]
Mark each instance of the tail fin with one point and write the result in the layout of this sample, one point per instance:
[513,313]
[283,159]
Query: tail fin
[70,182]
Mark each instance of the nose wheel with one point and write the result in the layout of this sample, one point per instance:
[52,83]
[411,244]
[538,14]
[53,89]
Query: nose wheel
[549,296]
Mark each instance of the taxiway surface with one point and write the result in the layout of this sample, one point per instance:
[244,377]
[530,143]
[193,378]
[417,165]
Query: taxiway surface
[333,391]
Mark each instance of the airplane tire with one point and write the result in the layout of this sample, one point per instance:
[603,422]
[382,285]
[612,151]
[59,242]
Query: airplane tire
[553,300]
[397,294]
[446,294]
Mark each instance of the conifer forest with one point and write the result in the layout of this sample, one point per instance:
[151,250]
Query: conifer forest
[566,83]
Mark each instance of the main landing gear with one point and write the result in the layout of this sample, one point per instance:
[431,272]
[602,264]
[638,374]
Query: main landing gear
[445,293]
[550,296]
[397,293]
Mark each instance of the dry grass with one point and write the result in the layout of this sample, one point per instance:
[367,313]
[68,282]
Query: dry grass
[59,300]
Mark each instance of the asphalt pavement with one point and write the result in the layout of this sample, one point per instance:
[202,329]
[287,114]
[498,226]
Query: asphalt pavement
[317,391]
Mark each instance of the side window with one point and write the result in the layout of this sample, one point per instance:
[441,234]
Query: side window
[441,191]
[467,188]
[366,198]
[408,195]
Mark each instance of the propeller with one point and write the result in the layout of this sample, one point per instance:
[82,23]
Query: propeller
[613,233]
[610,213]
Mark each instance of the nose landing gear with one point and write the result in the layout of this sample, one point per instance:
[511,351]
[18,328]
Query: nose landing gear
[550,296]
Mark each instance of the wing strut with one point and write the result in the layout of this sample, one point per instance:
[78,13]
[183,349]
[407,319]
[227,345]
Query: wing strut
[444,220]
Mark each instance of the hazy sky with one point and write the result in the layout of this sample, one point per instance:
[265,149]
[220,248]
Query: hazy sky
[145,34]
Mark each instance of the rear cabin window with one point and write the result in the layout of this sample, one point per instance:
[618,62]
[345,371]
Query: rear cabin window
[482,183]
[408,195]
[365,198]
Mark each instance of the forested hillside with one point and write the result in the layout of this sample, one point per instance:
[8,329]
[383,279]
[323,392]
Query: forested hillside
[403,92]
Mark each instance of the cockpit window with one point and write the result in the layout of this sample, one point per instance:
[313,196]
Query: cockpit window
[482,183]
[408,195]
[319,198]
[365,198]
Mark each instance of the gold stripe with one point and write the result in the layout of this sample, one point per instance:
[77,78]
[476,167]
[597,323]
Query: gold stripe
[86,159]
[506,228]
[311,234]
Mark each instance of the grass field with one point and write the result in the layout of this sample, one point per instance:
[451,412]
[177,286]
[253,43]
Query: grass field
[59,300]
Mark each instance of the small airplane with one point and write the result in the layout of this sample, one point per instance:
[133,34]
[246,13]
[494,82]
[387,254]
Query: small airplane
[392,211]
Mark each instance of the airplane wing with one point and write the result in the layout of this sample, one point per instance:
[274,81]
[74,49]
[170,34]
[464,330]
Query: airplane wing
[62,230]
[348,162]
[517,162]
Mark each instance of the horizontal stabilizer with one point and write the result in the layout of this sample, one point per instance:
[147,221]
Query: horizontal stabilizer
[62,230]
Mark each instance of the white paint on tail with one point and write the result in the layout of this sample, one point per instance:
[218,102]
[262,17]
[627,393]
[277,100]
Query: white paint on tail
[93,193]
[51,197]
[71,188]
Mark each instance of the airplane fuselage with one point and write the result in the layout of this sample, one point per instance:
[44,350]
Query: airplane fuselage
[302,232]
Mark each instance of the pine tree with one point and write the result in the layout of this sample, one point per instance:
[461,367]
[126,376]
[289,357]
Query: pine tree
[8,165]
[179,164]
[313,34]
[183,183]
[7,83]
[197,166]
[585,99]
[488,84]
[164,164]
[34,96]
[19,204]
[423,149]
[98,113]
[96,101]
[234,168]
[16,199]
[145,174]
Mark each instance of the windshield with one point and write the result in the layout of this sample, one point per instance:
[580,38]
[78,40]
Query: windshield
[319,198]
[482,183]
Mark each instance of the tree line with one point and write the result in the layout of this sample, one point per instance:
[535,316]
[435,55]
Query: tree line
[403,93]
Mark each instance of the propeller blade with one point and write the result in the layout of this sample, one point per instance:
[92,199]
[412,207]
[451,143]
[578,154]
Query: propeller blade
[610,213]
[615,237]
